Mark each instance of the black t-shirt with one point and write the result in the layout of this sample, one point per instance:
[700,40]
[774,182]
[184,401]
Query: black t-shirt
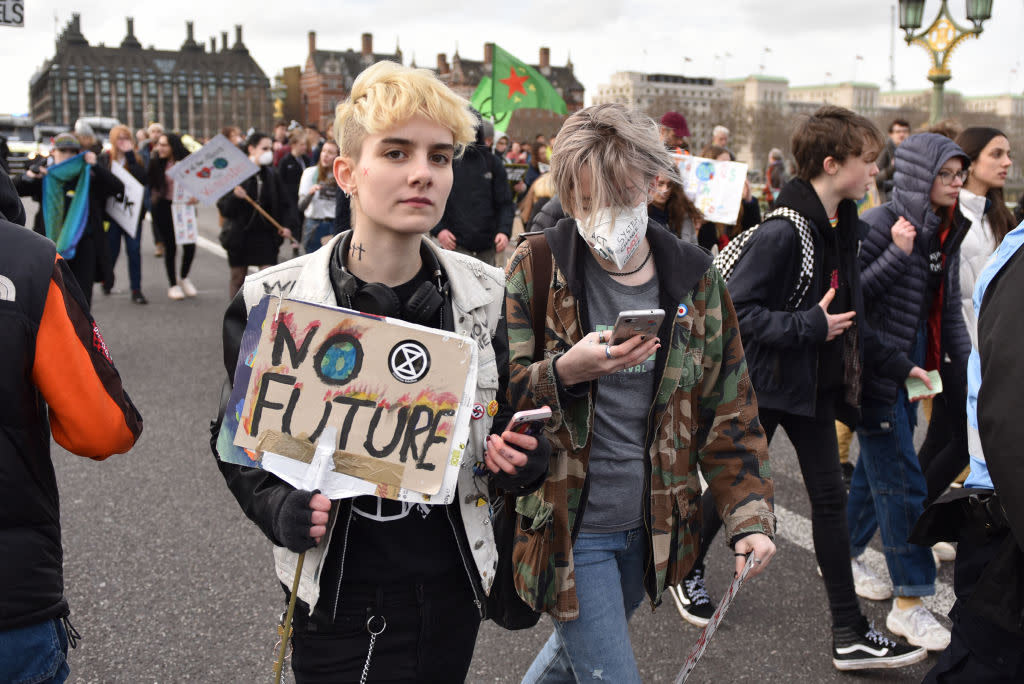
[830,354]
[393,542]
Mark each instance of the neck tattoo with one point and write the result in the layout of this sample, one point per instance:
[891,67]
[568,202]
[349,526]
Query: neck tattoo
[639,268]
[356,251]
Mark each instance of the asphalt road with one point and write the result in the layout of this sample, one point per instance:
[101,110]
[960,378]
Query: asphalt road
[169,582]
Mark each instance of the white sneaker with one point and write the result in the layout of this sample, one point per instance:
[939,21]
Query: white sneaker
[188,288]
[867,584]
[918,626]
[944,551]
[175,292]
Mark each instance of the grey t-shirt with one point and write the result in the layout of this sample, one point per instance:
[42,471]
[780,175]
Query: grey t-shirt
[616,499]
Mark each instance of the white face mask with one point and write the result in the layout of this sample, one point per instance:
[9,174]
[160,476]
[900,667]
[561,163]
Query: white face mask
[265,158]
[543,168]
[615,240]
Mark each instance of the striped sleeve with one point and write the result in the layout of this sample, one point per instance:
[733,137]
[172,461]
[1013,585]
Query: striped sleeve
[90,413]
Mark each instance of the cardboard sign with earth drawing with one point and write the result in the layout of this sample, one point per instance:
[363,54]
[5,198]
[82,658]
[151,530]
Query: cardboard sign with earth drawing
[399,395]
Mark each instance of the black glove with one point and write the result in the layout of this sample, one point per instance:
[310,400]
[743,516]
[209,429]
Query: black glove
[531,475]
[294,518]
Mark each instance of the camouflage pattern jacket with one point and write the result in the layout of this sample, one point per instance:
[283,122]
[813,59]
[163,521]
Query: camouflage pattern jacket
[704,413]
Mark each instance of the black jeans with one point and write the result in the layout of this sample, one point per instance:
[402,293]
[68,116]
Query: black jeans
[978,651]
[814,440]
[944,452]
[429,634]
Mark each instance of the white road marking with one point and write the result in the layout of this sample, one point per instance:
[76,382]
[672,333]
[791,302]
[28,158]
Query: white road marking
[797,529]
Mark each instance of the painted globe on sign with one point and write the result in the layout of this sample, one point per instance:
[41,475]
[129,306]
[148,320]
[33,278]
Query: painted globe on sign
[339,359]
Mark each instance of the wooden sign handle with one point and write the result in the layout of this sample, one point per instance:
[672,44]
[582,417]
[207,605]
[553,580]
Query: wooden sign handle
[280,229]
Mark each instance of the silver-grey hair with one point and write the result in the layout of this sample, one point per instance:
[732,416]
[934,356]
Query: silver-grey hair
[719,130]
[622,150]
[775,153]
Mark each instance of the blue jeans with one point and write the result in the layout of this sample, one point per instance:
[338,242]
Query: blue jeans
[37,654]
[887,493]
[314,231]
[132,247]
[609,586]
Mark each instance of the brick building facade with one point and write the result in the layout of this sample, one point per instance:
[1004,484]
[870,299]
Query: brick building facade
[327,77]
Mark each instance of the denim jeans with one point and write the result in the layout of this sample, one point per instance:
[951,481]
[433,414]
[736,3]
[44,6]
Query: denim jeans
[887,493]
[36,654]
[609,586]
[314,230]
[132,248]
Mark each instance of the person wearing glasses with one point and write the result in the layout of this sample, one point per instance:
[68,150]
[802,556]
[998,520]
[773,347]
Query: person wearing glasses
[910,278]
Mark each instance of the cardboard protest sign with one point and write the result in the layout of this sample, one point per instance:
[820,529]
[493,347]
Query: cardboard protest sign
[399,395]
[184,217]
[214,170]
[126,211]
[714,187]
[515,172]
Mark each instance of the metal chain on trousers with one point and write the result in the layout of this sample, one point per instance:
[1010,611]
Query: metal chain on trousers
[373,640]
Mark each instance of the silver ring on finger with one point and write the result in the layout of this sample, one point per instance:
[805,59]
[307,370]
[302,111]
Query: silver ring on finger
[608,351]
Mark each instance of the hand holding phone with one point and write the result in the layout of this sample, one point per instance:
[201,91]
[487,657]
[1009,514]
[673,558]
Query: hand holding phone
[643,322]
[529,422]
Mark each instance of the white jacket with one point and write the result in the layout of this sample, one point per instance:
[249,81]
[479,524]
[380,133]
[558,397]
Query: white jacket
[975,250]
[477,294]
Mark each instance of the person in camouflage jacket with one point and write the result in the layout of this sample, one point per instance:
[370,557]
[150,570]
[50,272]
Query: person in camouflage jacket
[703,412]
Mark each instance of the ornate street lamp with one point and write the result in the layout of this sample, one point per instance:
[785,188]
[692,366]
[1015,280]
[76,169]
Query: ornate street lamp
[941,38]
[278,93]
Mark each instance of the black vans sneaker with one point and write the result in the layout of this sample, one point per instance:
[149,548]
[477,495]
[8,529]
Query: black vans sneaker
[692,599]
[858,649]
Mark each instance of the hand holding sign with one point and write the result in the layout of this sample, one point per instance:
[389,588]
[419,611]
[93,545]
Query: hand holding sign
[399,397]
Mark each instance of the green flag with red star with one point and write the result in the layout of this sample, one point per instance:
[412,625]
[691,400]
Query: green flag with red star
[514,85]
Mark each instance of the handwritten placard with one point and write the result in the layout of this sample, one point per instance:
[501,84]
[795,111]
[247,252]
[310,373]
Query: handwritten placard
[125,210]
[400,396]
[214,170]
[184,217]
[714,187]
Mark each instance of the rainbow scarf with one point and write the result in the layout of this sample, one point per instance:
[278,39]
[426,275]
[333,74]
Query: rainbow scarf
[65,223]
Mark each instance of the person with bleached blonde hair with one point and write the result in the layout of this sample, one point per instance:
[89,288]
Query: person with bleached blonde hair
[390,588]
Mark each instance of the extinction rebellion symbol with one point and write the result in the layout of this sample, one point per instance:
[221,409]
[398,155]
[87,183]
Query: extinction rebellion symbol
[409,361]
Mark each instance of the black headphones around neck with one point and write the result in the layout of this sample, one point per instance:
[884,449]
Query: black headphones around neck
[424,307]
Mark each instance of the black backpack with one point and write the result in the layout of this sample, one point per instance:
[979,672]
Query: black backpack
[727,259]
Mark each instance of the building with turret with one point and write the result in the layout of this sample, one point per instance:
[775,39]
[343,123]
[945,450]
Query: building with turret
[327,78]
[196,89]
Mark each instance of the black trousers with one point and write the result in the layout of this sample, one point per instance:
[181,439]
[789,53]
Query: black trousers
[164,222]
[978,651]
[429,635]
[814,440]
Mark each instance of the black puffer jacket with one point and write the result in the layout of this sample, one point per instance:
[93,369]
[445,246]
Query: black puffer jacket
[781,346]
[896,285]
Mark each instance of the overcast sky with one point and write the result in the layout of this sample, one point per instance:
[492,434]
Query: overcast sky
[810,41]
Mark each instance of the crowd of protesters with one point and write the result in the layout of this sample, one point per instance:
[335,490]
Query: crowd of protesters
[820,317]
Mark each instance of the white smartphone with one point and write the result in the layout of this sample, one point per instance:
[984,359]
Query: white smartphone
[645,322]
[529,422]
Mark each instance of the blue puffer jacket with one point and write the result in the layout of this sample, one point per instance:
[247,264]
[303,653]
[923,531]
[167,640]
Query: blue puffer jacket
[896,285]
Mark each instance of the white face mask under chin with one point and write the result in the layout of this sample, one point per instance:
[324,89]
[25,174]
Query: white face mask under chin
[265,158]
[615,239]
